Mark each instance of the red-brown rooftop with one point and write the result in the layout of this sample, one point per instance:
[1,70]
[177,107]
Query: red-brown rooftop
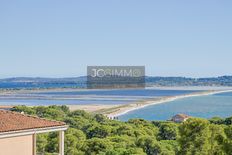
[13,121]
[182,115]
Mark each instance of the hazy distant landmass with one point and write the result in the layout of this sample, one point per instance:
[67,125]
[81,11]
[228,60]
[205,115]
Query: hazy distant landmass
[80,82]
[183,81]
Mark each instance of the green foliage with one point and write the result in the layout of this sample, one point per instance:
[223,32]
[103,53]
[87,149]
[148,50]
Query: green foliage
[198,136]
[194,137]
[216,120]
[52,145]
[42,141]
[25,109]
[80,113]
[122,141]
[74,141]
[169,147]
[228,121]
[123,151]
[228,142]
[96,146]
[150,145]
[90,134]
[217,139]
[168,131]
[100,118]
[99,131]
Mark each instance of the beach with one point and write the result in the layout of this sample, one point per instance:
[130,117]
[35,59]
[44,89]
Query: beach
[114,109]
[91,108]
[138,105]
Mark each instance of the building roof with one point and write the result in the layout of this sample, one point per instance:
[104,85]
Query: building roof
[13,121]
[181,116]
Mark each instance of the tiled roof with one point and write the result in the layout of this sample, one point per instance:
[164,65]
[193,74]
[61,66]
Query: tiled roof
[13,121]
[182,116]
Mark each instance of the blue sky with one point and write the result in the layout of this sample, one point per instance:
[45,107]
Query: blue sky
[60,38]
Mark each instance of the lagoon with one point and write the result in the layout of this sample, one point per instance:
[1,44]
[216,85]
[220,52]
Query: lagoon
[86,97]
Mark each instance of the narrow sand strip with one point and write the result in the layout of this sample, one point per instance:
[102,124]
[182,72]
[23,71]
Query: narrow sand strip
[139,105]
[91,108]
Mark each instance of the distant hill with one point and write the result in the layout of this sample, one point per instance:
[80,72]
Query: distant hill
[41,79]
[183,81]
[38,82]
[80,82]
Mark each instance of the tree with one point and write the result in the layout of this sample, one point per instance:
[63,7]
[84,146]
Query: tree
[78,122]
[124,151]
[125,129]
[216,120]
[63,108]
[168,131]
[144,127]
[228,121]
[101,118]
[41,111]
[25,109]
[217,139]
[99,131]
[168,147]
[52,146]
[150,145]
[41,142]
[122,141]
[80,113]
[139,122]
[227,146]
[96,135]
[54,114]
[97,146]
[194,137]
[74,141]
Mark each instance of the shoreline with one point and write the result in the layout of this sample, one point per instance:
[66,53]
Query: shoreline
[115,110]
[139,105]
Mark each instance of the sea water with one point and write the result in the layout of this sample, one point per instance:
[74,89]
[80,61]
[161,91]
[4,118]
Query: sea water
[201,106]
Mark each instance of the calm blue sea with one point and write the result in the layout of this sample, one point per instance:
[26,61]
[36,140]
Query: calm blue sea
[201,106]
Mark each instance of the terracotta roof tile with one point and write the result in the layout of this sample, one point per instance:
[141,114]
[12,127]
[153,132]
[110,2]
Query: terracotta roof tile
[13,121]
[182,116]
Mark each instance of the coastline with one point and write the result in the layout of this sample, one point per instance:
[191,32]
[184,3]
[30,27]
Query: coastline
[138,105]
[115,110]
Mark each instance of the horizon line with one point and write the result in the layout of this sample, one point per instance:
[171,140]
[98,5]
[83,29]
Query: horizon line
[60,77]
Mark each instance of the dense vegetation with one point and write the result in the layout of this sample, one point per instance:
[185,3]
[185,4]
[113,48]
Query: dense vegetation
[95,134]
